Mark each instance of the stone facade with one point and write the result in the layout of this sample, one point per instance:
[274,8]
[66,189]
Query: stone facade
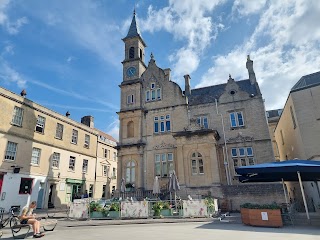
[45,156]
[298,132]
[163,128]
[273,117]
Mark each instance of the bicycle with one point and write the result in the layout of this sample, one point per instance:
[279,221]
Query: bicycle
[12,219]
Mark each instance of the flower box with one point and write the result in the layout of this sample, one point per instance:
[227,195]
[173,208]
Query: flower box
[96,215]
[166,212]
[261,217]
[114,214]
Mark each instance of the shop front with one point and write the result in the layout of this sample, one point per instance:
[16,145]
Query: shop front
[75,188]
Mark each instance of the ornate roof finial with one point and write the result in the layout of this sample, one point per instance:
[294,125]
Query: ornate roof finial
[230,76]
[67,114]
[151,55]
[248,57]
[23,93]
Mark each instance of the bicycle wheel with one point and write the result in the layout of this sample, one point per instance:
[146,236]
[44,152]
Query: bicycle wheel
[14,221]
[5,222]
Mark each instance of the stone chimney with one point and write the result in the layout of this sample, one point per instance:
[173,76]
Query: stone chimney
[167,73]
[187,85]
[88,120]
[252,75]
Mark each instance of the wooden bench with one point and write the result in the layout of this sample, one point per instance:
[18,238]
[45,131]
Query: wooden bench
[43,223]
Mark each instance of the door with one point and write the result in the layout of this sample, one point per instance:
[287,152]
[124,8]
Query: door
[40,198]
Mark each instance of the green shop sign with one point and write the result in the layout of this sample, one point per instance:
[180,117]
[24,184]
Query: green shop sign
[75,181]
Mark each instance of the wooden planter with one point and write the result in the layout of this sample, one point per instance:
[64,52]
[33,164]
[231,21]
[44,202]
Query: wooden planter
[261,217]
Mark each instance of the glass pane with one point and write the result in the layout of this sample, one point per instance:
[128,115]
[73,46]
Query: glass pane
[243,162]
[240,119]
[158,169]
[234,152]
[153,94]
[162,126]
[194,163]
[205,122]
[235,162]
[170,157]
[163,157]
[241,152]
[156,127]
[128,175]
[251,161]
[199,121]
[199,154]
[171,167]
[168,126]
[158,93]
[164,169]
[193,155]
[133,174]
[194,170]
[249,151]
[233,120]
[157,157]
[147,96]
[167,116]
[201,169]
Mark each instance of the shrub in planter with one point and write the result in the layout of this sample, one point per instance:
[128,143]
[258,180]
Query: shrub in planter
[157,207]
[166,209]
[210,204]
[114,210]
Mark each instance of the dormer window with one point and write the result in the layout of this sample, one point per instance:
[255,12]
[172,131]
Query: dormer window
[153,85]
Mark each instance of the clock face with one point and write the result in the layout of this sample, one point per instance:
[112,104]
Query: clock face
[131,71]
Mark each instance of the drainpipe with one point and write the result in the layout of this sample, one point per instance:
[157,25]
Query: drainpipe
[95,170]
[225,149]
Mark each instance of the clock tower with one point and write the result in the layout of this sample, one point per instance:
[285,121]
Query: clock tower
[133,63]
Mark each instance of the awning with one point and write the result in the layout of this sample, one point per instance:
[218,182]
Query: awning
[75,181]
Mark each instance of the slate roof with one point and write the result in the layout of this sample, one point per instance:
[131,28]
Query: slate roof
[307,81]
[209,94]
[134,29]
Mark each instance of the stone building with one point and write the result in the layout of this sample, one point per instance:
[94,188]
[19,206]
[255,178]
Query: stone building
[202,134]
[273,117]
[298,132]
[45,156]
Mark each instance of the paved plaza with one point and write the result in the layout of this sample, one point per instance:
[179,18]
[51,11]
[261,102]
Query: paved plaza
[177,231]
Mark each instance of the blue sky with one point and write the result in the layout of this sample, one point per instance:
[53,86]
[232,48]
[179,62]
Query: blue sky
[67,54]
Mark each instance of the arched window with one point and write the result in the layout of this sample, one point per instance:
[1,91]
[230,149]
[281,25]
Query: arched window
[130,129]
[130,172]
[140,53]
[197,163]
[131,53]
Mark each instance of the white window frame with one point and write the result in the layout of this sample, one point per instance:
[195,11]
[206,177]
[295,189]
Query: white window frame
[147,96]
[201,122]
[55,160]
[236,118]
[74,137]
[11,151]
[35,157]
[72,164]
[105,170]
[130,99]
[195,168]
[41,122]
[114,156]
[86,140]
[158,94]
[17,116]
[131,172]
[163,162]
[85,164]
[245,159]
[59,131]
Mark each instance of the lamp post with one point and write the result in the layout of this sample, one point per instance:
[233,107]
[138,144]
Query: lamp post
[225,149]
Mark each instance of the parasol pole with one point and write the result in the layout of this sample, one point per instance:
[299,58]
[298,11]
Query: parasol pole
[285,192]
[303,196]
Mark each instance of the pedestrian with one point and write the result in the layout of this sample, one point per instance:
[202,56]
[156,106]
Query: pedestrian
[27,217]
[85,195]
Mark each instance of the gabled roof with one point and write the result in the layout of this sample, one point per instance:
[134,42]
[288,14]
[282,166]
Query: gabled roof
[209,94]
[307,81]
[134,28]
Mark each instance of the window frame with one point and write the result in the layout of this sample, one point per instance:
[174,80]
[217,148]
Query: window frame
[87,141]
[130,172]
[16,119]
[29,191]
[85,166]
[37,157]
[234,119]
[11,150]
[55,160]
[195,168]
[74,136]
[130,99]
[40,124]
[59,132]
[163,164]
[105,170]
[72,159]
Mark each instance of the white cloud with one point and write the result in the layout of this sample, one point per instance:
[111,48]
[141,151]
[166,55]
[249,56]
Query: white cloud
[280,47]
[113,128]
[246,7]
[188,21]
[9,75]
[11,26]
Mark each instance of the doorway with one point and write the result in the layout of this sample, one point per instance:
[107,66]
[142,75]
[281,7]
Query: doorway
[51,197]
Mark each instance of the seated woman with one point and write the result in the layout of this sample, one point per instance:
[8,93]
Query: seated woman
[27,217]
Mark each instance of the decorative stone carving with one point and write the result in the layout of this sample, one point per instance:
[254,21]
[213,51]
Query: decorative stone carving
[164,145]
[240,138]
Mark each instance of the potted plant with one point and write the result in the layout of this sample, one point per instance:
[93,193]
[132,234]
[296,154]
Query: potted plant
[166,209]
[114,210]
[157,207]
[210,205]
[95,210]
[129,187]
[268,215]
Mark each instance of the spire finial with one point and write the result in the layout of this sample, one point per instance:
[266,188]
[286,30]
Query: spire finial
[151,55]
[248,57]
[229,76]
[134,9]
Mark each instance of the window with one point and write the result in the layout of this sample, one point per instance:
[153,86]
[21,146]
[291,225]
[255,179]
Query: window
[202,122]
[163,164]
[105,170]
[153,85]
[85,166]
[141,53]
[59,131]
[40,124]
[74,138]
[131,53]
[114,156]
[26,186]
[72,163]
[35,159]
[153,94]
[197,164]
[147,96]
[11,151]
[130,172]
[130,129]
[86,140]
[292,117]
[17,116]
[90,190]
[55,160]
[242,156]
[164,122]
[236,119]
[158,93]
[114,172]
[282,138]
[130,99]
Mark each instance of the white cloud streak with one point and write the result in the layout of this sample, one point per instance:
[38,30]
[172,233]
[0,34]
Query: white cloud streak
[113,128]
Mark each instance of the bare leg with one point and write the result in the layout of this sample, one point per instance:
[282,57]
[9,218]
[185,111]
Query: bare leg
[34,224]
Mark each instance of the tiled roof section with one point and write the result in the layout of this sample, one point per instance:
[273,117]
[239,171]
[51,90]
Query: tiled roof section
[307,81]
[209,94]
[134,29]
